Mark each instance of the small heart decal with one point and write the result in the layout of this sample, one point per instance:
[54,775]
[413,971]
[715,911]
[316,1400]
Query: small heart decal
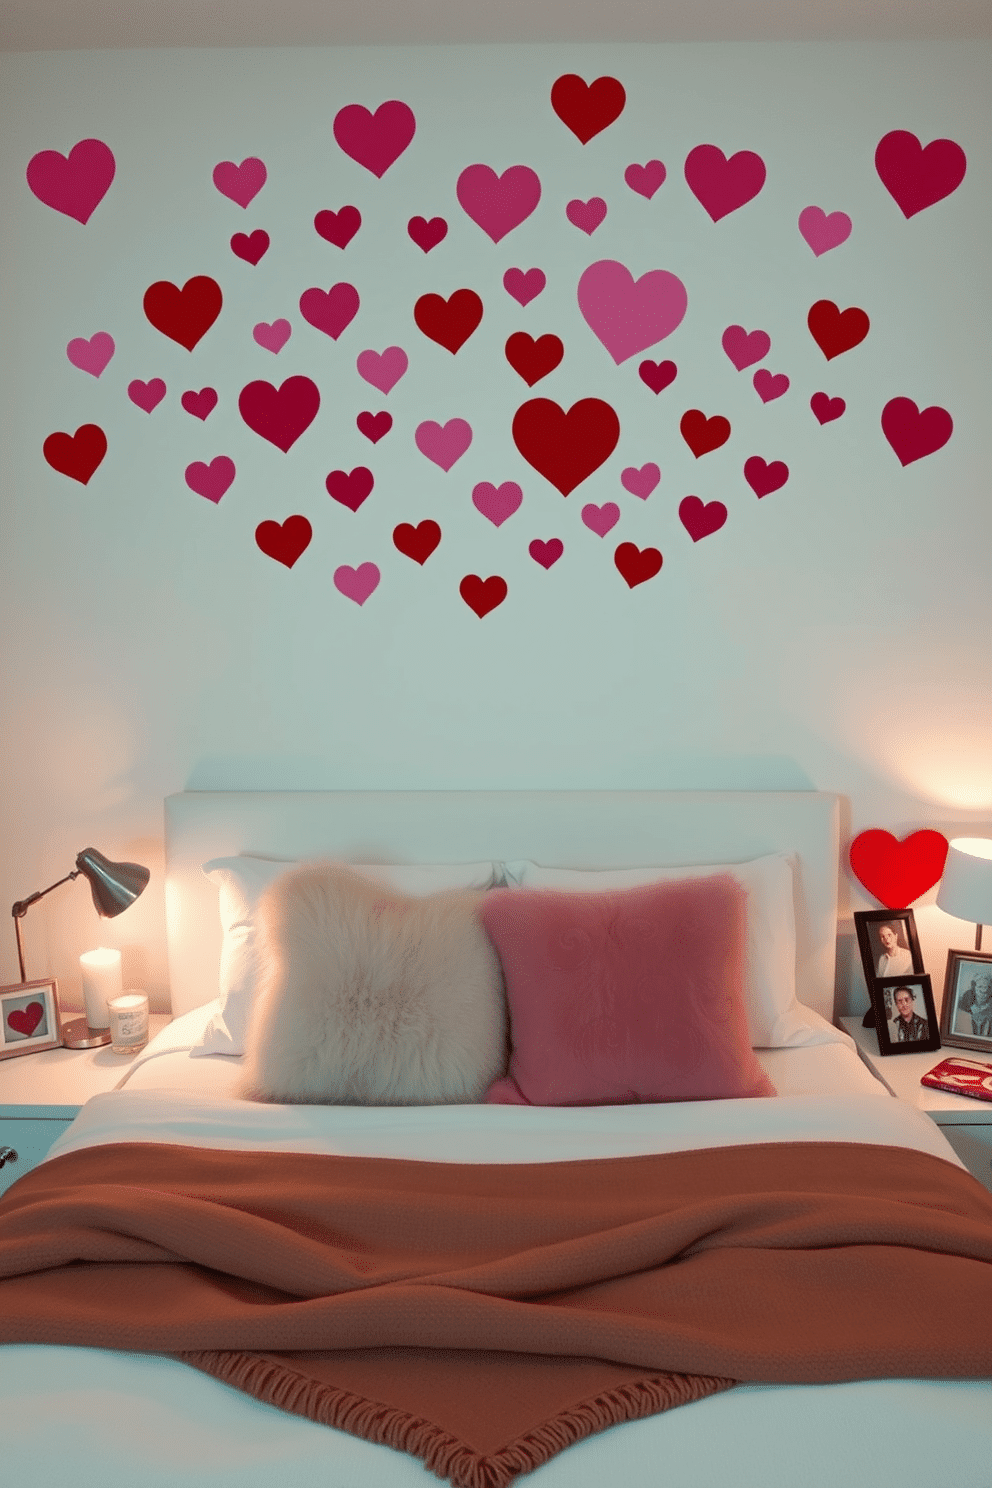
[357,583]
[338,227]
[272,337]
[495,203]
[914,434]
[533,359]
[74,184]
[376,140]
[587,108]
[645,179]
[524,287]
[586,215]
[76,455]
[600,519]
[426,234]
[251,247]
[450,321]
[200,404]
[281,414]
[482,595]
[626,314]
[835,330]
[546,553]
[240,183]
[417,542]
[825,408]
[657,375]
[25,1020]
[769,385]
[284,541]
[566,447]
[745,348]
[701,520]
[184,315]
[895,873]
[764,478]
[824,232]
[91,356]
[443,443]
[146,395]
[211,481]
[640,482]
[915,177]
[720,185]
[703,434]
[636,565]
[374,426]
[383,369]
[332,310]
[351,489]
[497,503]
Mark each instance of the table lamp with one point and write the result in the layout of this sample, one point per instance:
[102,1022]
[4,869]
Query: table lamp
[966,887]
[114,886]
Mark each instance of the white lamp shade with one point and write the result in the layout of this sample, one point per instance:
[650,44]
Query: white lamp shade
[966,887]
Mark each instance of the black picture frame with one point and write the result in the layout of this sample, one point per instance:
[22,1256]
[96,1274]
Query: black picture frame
[869,924]
[957,1022]
[890,1018]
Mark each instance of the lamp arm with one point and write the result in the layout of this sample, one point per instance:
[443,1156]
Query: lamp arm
[20,909]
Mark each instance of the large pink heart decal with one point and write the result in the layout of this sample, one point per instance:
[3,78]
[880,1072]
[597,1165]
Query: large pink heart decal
[375,140]
[722,185]
[75,184]
[281,414]
[894,872]
[498,204]
[626,314]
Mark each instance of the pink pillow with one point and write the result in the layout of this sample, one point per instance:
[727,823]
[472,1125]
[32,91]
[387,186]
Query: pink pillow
[626,995]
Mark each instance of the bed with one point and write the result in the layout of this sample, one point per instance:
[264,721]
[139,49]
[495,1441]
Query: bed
[119,1416]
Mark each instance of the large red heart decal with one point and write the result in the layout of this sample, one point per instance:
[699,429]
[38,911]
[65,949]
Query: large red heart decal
[566,447]
[587,108]
[26,1020]
[184,315]
[895,873]
[280,414]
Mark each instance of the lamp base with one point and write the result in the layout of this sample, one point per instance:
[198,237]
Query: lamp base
[77,1034]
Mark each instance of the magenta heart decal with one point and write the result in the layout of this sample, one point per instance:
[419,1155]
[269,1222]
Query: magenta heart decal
[350,488]
[825,408]
[495,203]
[374,426]
[600,519]
[822,232]
[546,553]
[357,583]
[586,215]
[375,140]
[444,444]
[74,184]
[720,185]
[93,355]
[640,482]
[338,227]
[426,234]
[211,480]
[629,315]
[915,177]
[657,375]
[769,385]
[281,414]
[146,395]
[251,247]
[383,369]
[701,520]
[524,287]
[200,404]
[743,348]
[497,502]
[272,337]
[763,477]
[914,434]
[645,179]
[330,310]
[240,183]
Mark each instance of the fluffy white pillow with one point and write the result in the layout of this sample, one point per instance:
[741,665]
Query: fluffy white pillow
[372,997]
[242,881]
[776,1020]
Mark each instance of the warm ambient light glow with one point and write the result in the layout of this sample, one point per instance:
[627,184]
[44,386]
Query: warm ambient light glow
[975,847]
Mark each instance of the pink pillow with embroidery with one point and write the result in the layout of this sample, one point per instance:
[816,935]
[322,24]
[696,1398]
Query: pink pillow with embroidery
[626,995]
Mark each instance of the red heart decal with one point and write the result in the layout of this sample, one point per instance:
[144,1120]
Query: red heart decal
[449,322]
[546,553]
[482,595]
[76,455]
[417,542]
[916,177]
[200,404]
[375,140]
[74,184]
[252,247]
[635,564]
[566,447]
[426,234]
[895,872]
[284,541]
[762,477]
[338,227]
[374,426]
[836,330]
[657,375]
[351,490]
[587,108]
[26,1020]
[703,434]
[281,414]
[184,315]
[722,185]
[533,359]
[826,409]
[912,433]
[701,520]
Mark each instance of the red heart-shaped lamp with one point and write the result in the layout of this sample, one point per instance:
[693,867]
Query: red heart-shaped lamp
[895,872]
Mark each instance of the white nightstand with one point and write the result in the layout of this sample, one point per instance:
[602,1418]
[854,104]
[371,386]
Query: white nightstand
[967,1124]
[40,1094]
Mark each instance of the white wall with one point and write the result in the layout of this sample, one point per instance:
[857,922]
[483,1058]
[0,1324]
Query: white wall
[833,635]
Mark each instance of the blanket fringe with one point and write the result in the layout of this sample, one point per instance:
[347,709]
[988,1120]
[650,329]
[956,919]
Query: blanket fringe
[278,1384]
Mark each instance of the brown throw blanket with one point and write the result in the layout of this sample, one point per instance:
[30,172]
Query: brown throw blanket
[485,1317]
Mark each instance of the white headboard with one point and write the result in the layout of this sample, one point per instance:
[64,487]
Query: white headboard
[572,829]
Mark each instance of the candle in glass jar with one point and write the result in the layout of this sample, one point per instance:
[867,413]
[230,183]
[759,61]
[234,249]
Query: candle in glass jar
[102,981]
[129,1022]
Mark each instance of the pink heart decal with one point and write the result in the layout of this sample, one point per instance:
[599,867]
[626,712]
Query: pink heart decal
[913,434]
[586,215]
[374,426]
[768,385]
[826,409]
[338,227]
[657,375]
[915,177]
[720,185]
[350,489]
[640,482]
[383,369]
[330,310]
[281,414]
[357,583]
[497,502]
[600,519]
[645,179]
[764,478]
[251,247]
[629,315]
[745,349]
[75,184]
[426,234]
[699,520]
[546,553]
[822,232]
[272,337]
[200,404]
[93,355]
[375,140]
[444,444]
[495,203]
[524,287]
[240,183]
[146,395]
[211,480]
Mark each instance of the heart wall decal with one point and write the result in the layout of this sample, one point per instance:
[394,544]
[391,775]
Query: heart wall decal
[897,872]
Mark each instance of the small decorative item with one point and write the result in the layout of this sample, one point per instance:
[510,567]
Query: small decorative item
[897,872]
[29,1019]
[966,1016]
[102,979]
[905,1017]
[128,1022]
[961,1077]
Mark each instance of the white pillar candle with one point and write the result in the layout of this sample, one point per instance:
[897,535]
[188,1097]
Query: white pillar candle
[102,980]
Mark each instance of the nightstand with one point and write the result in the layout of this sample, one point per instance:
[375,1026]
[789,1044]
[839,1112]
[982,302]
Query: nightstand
[40,1094]
[967,1124]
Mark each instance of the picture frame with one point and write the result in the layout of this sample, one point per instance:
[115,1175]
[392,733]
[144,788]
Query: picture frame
[29,1018]
[958,1019]
[888,943]
[904,1025]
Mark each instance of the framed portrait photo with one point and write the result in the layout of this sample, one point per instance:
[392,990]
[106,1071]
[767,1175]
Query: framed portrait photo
[29,1019]
[888,943]
[905,1016]
[966,1016]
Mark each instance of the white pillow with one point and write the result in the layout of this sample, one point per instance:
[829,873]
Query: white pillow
[242,881]
[776,1020]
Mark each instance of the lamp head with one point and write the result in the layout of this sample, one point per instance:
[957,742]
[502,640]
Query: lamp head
[114,886]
